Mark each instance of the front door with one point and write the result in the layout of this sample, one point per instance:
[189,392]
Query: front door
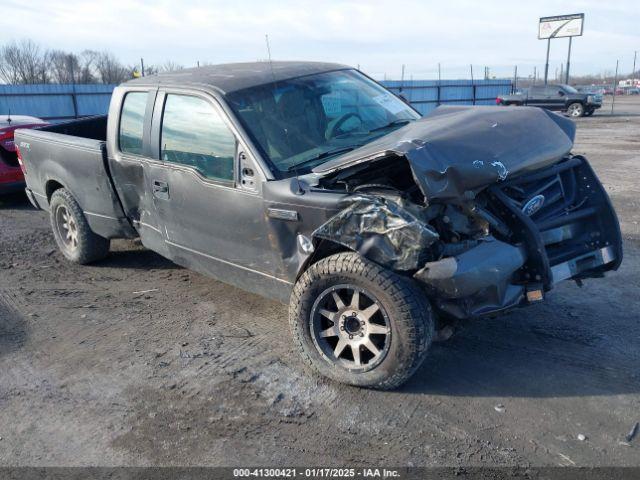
[212,222]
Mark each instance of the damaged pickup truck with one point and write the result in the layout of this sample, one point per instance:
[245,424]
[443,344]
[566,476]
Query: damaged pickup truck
[311,184]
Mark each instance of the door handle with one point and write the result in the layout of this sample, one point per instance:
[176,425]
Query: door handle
[160,190]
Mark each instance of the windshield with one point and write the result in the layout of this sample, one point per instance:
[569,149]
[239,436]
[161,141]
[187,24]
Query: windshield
[303,122]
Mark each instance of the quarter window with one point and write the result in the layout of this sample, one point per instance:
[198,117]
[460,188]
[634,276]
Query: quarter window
[132,122]
[194,134]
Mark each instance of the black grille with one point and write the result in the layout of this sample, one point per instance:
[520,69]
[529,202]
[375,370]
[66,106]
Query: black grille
[561,212]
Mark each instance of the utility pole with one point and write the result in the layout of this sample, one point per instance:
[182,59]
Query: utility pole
[566,78]
[515,77]
[561,71]
[402,78]
[142,66]
[535,75]
[633,73]
[615,81]
[546,65]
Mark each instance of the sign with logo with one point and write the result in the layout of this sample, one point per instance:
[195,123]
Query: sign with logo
[561,26]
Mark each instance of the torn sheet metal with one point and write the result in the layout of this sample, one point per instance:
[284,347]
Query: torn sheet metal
[481,277]
[454,150]
[380,230]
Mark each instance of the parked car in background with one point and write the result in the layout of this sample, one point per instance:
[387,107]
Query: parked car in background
[311,184]
[562,98]
[11,175]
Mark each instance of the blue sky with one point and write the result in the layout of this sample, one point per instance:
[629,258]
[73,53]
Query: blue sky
[378,36]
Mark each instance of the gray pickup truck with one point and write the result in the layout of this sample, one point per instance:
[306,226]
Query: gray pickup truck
[311,184]
[560,98]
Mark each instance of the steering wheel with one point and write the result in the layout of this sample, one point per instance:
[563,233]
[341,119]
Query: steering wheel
[335,125]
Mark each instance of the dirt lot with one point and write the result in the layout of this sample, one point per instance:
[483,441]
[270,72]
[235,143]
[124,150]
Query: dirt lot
[92,372]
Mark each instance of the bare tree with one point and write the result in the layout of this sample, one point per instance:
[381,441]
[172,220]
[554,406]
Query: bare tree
[63,66]
[87,63]
[110,70]
[23,62]
[169,66]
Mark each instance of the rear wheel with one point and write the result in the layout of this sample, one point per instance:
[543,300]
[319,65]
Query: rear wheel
[71,231]
[359,323]
[575,110]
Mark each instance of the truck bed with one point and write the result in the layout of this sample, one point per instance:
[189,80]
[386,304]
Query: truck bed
[73,155]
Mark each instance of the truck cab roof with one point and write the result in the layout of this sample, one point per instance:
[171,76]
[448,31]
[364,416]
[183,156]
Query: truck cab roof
[231,77]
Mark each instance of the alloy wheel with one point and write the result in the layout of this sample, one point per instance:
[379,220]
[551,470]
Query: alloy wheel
[350,327]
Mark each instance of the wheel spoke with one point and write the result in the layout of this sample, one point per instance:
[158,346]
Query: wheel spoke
[370,311]
[355,349]
[377,329]
[342,343]
[355,300]
[371,347]
[330,332]
[338,300]
[327,313]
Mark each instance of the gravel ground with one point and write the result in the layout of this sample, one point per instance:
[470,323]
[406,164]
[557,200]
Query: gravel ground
[135,361]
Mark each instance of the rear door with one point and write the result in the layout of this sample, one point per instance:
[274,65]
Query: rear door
[556,97]
[131,161]
[211,214]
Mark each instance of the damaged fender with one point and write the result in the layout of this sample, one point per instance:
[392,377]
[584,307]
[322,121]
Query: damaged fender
[380,230]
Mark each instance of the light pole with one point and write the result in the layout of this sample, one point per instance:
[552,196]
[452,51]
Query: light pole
[566,78]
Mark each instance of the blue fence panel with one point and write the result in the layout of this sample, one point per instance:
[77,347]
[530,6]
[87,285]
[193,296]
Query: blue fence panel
[55,102]
[60,102]
[425,95]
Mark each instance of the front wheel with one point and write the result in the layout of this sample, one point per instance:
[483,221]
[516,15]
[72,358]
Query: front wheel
[359,323]
[588,113]
[575,110]
[72,233]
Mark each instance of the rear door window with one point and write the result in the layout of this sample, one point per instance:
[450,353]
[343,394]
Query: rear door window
[195,134]
[132,122]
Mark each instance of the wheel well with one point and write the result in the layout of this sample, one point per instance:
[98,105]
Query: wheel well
[50,187]
[323,249]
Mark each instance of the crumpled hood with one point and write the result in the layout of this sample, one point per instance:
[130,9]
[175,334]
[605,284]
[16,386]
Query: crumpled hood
[458,149]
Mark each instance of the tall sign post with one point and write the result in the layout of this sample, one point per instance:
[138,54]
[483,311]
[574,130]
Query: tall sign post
[560,26]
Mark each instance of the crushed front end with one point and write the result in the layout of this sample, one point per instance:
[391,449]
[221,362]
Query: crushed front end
[546,226]
[486,208]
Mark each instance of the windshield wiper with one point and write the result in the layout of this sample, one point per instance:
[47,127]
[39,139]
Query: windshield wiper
[320,156]
[394,123]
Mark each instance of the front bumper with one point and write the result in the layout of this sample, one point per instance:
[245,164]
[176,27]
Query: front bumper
[574,234]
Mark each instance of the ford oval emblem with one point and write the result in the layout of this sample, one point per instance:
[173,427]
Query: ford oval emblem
[533,205]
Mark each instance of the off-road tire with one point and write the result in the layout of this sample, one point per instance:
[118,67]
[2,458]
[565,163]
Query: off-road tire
[409,313]
[575,110]
[90,246]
